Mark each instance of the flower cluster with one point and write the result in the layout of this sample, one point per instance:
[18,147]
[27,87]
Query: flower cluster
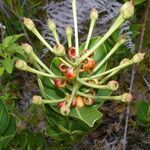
[79,77]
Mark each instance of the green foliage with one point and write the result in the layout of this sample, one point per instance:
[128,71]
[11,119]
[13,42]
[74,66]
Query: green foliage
[16,10]
[9,52]
[143,114]
[28,141]
[7,126]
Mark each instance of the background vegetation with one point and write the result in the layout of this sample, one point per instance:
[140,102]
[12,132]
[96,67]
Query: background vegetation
[25,125]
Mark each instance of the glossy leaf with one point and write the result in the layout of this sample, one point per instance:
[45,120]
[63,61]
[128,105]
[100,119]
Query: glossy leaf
[81,113]
[65,128]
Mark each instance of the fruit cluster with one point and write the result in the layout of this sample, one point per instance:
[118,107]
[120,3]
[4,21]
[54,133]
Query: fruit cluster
[78,69]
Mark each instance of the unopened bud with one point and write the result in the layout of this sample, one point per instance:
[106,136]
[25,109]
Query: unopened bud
[127,97]
[138,57]
[59,50]
[122,39]
[94,14]
[37,100]
[51,25]
[69,31]
[127,10]
[20,64]
[27,48]
[29,23]
[113,85]
[125,60]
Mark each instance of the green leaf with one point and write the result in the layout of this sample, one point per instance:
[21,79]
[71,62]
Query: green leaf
[9,133]
[51,91]
[81,113]
[8,64]
[15,48]
[4,117]
[65,128]
[8,41]
[143,113]
[1,71]
[54,66]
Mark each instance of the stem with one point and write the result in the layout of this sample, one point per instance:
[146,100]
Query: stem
[92,24]
[36,65]
[35,31]
[115,26]
[99,98]
[41,63]
[56,36]
[130,62]
[52,101]
[74,8]
[66,63]
[66,58]
[41,87]
[93,85]
[69,41]
[75,88]
[117,45]
[29,69]
[109,76]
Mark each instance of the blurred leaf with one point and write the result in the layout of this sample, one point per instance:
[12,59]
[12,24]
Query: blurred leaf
[4,117]
[8,64]
[9,133]
[143,113]
[8,41]
[1,71]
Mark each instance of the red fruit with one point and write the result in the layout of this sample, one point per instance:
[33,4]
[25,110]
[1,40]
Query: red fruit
[59,83]
[72,52]
[89,65]
[60,104]
[74,102]
[70,74]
